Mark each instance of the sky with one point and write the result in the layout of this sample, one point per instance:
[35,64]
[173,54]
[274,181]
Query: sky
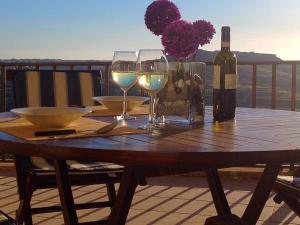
[94,29]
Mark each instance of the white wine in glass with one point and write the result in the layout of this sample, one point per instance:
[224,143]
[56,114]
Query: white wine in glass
[124,75]
[152,70]
[125,80]
[152,82]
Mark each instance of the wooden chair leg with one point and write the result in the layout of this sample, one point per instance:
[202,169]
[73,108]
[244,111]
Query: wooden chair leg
[297,172]
[111,192]
[65,192]
[278,199]
[292,168]
[24,210]
[291,201]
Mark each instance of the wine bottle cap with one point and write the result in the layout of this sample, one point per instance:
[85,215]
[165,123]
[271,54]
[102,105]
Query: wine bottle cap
[225,28]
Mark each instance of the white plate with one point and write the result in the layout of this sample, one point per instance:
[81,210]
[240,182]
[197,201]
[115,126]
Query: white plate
[51,117]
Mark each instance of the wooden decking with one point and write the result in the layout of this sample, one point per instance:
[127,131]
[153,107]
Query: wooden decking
[179,200]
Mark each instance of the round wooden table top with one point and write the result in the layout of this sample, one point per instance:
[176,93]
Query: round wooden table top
[255,136]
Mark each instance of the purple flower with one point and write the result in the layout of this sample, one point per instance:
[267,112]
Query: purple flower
[159,14]
[180,39]
[206,31]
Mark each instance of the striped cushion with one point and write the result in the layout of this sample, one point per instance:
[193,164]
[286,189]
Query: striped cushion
[55,88]
[45,164]
[34,88]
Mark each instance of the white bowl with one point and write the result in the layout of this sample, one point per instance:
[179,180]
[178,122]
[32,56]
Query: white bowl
[116,102]
[51,117]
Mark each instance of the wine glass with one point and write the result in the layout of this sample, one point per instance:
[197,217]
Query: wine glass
[124,75]
[152,70]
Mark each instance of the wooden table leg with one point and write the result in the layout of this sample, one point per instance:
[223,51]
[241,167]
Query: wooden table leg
[261,194]
[217,192]
[124,198]
[256,204]
[65,192]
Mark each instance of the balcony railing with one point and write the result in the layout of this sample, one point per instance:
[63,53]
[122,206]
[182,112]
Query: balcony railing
[104,67]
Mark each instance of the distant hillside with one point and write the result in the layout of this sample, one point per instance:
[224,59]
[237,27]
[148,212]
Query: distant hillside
[202,55]
[208,56]
[252,56]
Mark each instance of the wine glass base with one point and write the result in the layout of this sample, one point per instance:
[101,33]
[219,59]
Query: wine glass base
[151,127]
[126,117]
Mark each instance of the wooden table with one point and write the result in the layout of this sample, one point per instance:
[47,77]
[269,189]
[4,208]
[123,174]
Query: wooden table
[270,137]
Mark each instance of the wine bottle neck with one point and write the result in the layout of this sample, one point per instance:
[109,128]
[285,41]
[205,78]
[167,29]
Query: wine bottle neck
[225,44]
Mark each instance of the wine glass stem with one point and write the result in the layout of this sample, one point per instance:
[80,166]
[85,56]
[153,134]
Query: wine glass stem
[152,107]
[124,104]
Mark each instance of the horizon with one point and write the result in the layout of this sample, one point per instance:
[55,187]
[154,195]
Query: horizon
[93,29]
[212,51]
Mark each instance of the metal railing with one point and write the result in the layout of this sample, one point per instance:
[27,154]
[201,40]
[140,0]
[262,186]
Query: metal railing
[274,65]
[105,68]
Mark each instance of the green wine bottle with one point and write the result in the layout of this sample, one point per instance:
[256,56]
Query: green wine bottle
[224,80]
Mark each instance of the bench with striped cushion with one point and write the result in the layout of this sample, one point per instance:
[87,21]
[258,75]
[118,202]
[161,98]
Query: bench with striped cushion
[33,88]
[287,189]
[55,88]
[293,180]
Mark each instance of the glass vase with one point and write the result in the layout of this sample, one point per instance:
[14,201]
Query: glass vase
[183,99]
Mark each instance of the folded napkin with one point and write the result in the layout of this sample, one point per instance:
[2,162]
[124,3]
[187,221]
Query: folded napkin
[103,111]
[85,127]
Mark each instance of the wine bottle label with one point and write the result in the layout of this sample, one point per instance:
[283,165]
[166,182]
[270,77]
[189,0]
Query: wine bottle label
[225,44]
[216,78]
[230,81]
